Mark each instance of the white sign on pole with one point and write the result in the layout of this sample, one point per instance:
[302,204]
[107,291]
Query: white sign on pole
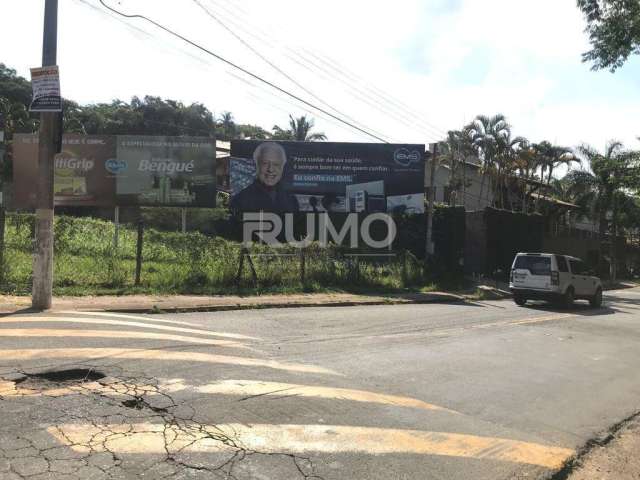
[45,82]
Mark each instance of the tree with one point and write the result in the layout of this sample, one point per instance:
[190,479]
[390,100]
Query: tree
[614,31]
[299,131]
[15,97]
[226,127]
[251,132]
[549,158]
[488,134]
[147,116]
[454,152]
[604,189]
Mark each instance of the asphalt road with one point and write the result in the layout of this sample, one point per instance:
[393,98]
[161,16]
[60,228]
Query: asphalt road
[463,391]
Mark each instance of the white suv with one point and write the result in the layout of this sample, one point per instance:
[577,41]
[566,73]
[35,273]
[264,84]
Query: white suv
[556,278]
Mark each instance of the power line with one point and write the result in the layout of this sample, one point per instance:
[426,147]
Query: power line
[277,68]
[371,95]
[243,70]
[253,96]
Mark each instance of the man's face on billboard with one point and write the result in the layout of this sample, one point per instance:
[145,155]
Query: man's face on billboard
[271,164]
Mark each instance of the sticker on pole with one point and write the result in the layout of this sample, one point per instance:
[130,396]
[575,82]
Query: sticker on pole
[46,90]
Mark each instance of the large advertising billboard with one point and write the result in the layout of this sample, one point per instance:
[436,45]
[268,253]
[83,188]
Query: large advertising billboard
[283,177]
[175,171]
[106,171]
[79,175]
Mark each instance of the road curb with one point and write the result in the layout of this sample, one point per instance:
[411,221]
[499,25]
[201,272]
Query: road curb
[156,309]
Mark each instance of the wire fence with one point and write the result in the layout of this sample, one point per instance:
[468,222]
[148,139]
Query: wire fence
[87,262]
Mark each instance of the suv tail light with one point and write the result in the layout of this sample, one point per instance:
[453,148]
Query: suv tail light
[555,278]
[511,277]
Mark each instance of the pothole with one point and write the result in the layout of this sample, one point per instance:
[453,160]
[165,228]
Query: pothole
[138,403]
[59,377]
[72,375]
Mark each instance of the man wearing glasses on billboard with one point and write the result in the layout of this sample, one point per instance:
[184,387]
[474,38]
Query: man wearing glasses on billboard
[265,193]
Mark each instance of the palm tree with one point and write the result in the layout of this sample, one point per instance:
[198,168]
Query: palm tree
[228,126]
[602,189]
[526,164]
[299,131]
[552,156]
[488,135]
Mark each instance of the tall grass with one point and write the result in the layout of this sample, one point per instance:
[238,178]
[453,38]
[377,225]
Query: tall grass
[86,262]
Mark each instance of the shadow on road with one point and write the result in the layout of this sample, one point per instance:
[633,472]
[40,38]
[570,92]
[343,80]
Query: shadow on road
[611,306]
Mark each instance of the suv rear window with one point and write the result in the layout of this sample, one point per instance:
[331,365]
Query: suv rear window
[562,263]
[536,265]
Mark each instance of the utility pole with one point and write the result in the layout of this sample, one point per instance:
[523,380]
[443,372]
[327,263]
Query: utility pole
[429,251]
[49,123]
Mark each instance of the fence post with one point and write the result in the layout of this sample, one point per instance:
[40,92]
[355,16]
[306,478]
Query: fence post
[139,251]
[116,223]
[405,274]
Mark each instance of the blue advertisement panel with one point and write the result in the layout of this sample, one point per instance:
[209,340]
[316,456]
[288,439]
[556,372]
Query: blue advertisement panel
[285,177]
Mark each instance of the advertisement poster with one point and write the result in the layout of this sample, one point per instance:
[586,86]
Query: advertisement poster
[326,177]
[169,171]
[79,175]
[45,82]
[105,171]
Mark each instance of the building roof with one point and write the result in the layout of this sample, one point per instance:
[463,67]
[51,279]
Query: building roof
[555,201]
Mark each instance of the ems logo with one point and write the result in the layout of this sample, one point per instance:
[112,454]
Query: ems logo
[115,166]
[405,157]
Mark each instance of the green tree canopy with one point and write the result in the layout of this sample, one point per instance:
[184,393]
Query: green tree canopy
[299,131]
[614,31]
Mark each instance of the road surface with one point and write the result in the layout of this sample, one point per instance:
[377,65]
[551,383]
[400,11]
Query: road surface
[482,390]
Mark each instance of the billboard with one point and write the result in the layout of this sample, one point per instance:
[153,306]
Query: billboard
[165,171]
[79,175]
[107,171]
[285,177]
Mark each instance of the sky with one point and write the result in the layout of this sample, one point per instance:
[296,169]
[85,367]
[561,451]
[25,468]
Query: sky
[405,71]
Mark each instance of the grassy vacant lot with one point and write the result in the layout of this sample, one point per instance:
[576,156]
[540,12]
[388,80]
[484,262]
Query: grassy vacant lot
[87,263]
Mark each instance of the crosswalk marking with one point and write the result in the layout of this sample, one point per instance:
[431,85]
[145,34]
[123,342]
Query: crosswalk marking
[95,321]
[127,316]
[147,438]
[163,355]
[248,388]
[70,333]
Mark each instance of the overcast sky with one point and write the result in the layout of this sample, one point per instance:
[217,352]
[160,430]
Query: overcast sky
[407,70]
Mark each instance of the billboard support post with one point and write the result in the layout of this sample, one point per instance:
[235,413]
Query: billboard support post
[244,252]
[43,258]
[184,220]
[139,251]
[116,223]
[429,251]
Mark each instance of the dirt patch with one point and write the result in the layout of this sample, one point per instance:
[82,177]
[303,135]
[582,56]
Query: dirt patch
[615,458]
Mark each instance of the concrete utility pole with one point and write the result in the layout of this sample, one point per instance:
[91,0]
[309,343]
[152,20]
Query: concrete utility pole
[49,123]
[429,250]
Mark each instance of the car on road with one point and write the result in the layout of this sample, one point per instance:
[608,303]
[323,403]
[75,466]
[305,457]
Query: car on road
[555,278]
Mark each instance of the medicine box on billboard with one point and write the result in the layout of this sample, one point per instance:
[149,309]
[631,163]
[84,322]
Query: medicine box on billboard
[107,171]
[275,176]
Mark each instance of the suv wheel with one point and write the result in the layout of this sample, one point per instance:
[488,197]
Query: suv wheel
[520,301]
[569,298]
[596,300]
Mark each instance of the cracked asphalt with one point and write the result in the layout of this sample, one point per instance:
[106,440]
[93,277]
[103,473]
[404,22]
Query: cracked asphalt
[483,390]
